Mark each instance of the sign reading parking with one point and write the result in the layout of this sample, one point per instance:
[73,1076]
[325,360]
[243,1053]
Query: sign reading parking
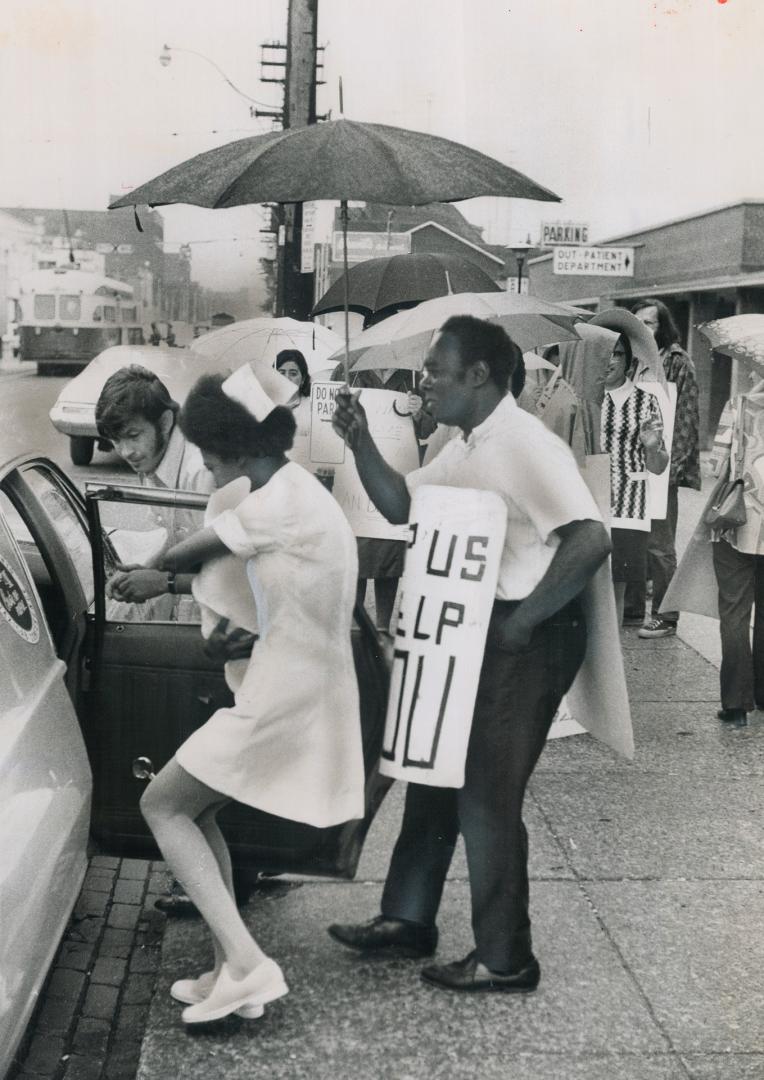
[564,232]
[594,261]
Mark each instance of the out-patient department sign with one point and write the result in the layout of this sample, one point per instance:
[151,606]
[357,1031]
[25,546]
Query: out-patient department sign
[448,588]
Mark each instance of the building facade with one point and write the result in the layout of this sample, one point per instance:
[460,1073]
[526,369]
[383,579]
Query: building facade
[705,266]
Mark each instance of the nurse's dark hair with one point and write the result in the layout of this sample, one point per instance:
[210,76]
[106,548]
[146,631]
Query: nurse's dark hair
[131,393]
[219,425]
[487,341]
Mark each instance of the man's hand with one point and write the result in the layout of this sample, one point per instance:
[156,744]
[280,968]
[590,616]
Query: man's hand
[224,644]
[415,404]
[136,585]
[349,420]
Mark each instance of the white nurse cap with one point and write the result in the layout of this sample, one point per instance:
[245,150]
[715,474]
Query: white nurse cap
[259,394]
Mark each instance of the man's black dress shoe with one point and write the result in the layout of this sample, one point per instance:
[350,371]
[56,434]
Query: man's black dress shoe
[738,717]
[470,976]
[393,937]
[176,905]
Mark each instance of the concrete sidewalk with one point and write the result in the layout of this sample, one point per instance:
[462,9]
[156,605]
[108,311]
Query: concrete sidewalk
[648,905]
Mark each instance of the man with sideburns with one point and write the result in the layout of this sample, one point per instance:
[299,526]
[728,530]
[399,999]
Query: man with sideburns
[555,541]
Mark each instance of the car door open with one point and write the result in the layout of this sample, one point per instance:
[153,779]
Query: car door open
[152,685]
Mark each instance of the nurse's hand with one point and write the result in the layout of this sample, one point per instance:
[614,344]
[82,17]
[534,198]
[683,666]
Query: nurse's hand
[349,420]
[137,585]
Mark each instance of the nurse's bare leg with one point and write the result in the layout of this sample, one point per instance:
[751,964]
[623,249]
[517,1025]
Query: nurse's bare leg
[207,822]
[619,588]
[172,805]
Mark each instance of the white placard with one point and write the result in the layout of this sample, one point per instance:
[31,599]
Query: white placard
[448,588]
[392,429]
[326,447]
[596,261]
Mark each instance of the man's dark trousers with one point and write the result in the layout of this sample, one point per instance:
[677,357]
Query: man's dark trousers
[740,579]
[518,696]
[661,564]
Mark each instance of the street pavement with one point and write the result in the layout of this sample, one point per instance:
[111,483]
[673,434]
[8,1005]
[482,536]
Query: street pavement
[648,906]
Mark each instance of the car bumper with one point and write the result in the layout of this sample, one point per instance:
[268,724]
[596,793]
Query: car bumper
[74,420]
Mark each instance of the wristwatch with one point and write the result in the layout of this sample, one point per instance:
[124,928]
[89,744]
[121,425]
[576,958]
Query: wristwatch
[171,582]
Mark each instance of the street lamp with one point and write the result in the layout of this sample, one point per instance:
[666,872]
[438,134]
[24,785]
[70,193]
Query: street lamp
[520,251]
[165,58]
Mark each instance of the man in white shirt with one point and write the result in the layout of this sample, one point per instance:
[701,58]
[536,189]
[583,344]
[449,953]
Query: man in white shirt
[555,541]
[138,416]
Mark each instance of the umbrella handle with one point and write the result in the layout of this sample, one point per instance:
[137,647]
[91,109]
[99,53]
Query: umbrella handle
[397,411]
[346,293]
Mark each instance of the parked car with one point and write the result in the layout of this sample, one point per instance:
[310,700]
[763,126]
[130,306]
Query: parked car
[74,410]
[85,693]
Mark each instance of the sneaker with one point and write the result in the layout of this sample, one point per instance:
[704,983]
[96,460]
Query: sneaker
[657,628]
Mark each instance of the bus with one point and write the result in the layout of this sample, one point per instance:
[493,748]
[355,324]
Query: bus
[68,316]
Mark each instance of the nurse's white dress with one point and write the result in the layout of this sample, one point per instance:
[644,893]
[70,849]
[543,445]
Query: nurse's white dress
[291,744]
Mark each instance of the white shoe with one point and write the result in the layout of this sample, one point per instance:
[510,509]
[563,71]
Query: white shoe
[264,983]
[192,991]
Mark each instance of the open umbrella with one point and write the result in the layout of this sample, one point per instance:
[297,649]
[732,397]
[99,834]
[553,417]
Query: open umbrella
[339,159]
[376,284]
[402,340]
[263,339]
[738,336]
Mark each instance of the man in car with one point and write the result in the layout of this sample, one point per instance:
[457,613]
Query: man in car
[137,415]
[555,541]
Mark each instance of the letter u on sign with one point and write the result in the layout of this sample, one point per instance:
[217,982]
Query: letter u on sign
[448,588]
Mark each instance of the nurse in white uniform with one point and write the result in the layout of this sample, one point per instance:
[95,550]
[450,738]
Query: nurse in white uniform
[291,743]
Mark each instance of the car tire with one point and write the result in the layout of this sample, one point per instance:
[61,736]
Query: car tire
[81,449]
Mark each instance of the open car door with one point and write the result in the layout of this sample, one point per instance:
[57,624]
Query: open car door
[151,685]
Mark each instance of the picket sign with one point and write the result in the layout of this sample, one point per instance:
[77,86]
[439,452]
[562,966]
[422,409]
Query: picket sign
[456,537]
[392,429]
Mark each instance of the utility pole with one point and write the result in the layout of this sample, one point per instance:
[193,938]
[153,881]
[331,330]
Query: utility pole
[295,289]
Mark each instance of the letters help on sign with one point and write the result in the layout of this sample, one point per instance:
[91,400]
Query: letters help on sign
[448,587]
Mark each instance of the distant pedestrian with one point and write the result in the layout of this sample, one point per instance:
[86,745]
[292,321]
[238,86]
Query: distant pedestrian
[155,338]
[632,434]
[170,336]
[684,470]
[739,561]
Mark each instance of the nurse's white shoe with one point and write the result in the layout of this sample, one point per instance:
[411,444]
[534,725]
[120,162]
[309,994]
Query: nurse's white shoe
[263,984]
[192,991]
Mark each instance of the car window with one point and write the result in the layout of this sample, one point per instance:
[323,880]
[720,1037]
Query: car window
[67,523]
[137,535]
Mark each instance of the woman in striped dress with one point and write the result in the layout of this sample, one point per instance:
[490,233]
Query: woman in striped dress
[632,433]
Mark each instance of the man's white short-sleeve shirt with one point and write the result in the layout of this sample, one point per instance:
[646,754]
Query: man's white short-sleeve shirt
[534,472]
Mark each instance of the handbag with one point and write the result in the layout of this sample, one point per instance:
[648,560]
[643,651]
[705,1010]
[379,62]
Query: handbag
[726,507]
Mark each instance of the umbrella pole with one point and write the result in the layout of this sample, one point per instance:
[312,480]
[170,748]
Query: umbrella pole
[344,220]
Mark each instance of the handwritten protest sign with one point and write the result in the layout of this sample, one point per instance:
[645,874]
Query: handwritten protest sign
[452,565]
[394,435]
[326,447]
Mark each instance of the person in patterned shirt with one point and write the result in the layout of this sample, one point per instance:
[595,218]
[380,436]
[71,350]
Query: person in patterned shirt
[631,432]
[684,470]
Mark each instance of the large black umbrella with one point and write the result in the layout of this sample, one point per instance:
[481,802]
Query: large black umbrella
[340,159]
[391,280]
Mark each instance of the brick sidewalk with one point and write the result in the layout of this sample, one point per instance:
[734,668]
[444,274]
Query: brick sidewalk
[92,1012]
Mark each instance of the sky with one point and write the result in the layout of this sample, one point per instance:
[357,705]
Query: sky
[634,111]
